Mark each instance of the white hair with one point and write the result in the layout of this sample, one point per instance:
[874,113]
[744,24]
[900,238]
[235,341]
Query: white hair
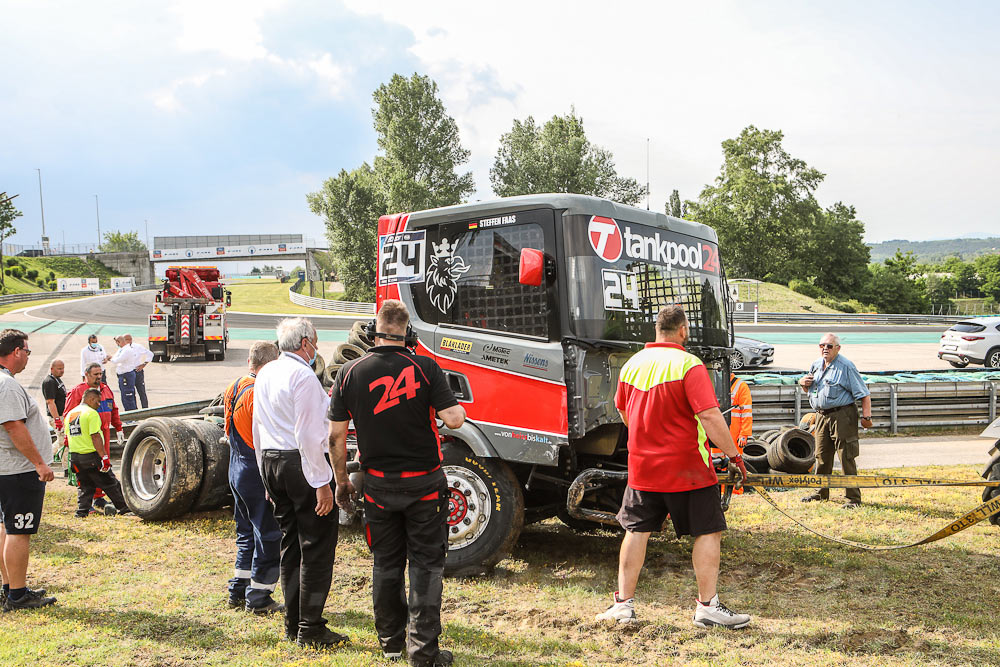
[292,330]
[835,338]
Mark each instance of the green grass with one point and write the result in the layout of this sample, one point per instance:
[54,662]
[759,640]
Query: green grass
[775,298]
[269,296]
[63,267]
[134,593]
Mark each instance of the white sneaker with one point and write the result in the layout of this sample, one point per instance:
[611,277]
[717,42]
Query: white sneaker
[717,614]
[622,611]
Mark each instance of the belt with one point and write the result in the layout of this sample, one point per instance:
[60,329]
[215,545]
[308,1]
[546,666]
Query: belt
[830,411]
[280,453]
[403,474]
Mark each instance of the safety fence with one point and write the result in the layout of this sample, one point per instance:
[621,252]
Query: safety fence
[894,406]
[848,318]
[340,307]
[8,299]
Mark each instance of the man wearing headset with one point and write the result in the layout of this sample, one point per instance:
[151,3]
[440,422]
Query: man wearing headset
[392,395]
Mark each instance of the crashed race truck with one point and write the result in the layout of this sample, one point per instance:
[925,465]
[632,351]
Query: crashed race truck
[531,305]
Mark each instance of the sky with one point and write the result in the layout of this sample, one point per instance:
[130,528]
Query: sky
[219,117]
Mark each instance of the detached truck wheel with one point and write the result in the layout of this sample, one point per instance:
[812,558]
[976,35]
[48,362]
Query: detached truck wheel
[485,510]
[214,492]
[992,474]
[162,469]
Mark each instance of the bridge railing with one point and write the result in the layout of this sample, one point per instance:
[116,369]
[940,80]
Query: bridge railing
[339,307]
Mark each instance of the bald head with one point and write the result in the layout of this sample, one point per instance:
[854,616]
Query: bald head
[57,368]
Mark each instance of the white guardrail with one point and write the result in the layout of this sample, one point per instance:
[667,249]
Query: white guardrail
[341,307]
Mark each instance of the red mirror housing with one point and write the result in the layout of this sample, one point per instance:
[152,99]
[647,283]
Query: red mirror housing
[532,267]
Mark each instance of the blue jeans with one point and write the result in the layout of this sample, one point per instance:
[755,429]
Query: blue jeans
[126,386]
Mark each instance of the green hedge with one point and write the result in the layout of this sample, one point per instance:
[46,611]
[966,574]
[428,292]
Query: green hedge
[15,272]
[807,288]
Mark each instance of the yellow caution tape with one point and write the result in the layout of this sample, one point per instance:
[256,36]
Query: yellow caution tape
[984,511]
[856,481]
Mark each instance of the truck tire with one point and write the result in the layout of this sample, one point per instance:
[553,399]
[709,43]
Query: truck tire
[346,352]
[755,456]
[320,366]
[989,493]
[485,511]
[214,492]
[162,469]
[330,373]
[794,451]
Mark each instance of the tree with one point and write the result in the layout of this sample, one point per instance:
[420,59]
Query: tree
[963,275]
[988,270]
[351,204]
[674,207]
[558,157]
[420,145]
[116,241]
[761,205]
[8,213]
[835,254]
[893,286]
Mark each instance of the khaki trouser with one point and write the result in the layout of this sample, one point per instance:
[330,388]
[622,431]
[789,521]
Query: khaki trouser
[838,432]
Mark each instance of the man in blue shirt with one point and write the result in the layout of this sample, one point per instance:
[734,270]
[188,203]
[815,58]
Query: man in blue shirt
[833,385]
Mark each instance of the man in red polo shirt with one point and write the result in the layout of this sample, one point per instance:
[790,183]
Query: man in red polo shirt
[666,399]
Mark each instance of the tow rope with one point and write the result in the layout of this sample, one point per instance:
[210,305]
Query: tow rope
[984,511]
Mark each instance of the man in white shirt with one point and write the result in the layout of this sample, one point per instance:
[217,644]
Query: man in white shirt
[130,360]
[290,439]
[93,352]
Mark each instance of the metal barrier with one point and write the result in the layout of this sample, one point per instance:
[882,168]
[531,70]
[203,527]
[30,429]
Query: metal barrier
[849,318]
[38,296]
[345,307]
[894,406]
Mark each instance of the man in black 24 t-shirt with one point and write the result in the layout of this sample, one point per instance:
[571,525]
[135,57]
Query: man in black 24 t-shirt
[393,395]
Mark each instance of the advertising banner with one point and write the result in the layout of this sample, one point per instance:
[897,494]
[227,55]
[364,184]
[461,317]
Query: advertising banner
[221,252]
[77,284]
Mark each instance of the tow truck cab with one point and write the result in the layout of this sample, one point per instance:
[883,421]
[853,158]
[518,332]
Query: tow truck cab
[531,305]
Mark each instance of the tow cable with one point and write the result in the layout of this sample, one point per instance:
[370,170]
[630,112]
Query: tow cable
[971,518]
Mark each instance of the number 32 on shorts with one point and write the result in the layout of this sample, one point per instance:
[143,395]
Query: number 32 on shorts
[24,521]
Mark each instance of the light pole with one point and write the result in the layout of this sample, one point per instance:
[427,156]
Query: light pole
[97,208]
[41,205]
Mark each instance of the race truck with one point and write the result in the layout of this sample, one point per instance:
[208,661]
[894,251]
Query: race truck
[531,305]
[189,315]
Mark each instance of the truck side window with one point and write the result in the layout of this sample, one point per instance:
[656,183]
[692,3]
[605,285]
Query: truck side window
[472,280]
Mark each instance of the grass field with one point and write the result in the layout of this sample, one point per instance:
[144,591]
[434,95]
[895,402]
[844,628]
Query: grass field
[133,593]
[62,267]
[776,298]
[268,296]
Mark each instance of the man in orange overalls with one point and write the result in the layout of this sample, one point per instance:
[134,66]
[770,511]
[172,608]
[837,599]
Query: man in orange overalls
[741,418]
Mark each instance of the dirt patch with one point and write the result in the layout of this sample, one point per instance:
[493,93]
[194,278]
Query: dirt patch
[878,641]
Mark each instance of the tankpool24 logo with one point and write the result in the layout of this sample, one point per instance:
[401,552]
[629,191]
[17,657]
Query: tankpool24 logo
[672,250]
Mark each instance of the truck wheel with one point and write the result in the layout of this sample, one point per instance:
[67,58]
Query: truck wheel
[990,493]
[161,469]
[214,492]
[485,511]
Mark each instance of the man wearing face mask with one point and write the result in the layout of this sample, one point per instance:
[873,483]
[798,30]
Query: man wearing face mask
[290,440]
[93,353]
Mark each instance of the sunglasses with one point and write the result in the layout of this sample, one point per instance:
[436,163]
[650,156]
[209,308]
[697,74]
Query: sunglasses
[827,346]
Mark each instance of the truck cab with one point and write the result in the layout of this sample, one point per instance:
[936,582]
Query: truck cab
[531,305]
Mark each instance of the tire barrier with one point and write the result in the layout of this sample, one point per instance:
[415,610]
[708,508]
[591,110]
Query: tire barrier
[989,508]
[755,455]
[792,451]
[346,352]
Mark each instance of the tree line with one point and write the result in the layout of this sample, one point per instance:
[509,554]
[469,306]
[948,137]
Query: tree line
[762,204]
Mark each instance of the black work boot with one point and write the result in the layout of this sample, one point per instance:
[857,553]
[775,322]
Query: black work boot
[442,659]
[30,600]
[322,639]
[270,607]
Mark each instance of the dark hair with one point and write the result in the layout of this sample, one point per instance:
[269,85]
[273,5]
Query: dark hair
[94,336]
[393,314]
[91,392]
[10,340]
[670,318]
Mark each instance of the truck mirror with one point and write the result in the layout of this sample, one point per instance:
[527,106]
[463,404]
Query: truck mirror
[229,298]
[531,267]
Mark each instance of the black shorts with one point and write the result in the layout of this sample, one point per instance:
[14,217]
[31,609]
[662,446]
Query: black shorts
[695,512]
[21,498]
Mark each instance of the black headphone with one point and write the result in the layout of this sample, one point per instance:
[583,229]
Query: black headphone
[409,339]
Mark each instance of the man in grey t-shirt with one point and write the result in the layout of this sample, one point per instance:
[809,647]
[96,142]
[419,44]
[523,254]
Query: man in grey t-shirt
[25,454]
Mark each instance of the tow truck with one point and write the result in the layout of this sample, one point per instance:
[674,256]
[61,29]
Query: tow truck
[189,315]
[531,305]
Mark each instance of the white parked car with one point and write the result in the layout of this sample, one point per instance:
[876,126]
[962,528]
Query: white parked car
[975,341]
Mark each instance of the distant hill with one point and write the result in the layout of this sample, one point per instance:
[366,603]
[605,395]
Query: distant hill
[936,251]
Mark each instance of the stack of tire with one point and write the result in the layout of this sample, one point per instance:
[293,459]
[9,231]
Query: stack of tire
[357,344]
[173,466]
[787,450]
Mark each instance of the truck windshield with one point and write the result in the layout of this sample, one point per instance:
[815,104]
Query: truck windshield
[619,274]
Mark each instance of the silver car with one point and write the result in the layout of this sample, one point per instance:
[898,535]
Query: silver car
[975,341]
[750,353]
